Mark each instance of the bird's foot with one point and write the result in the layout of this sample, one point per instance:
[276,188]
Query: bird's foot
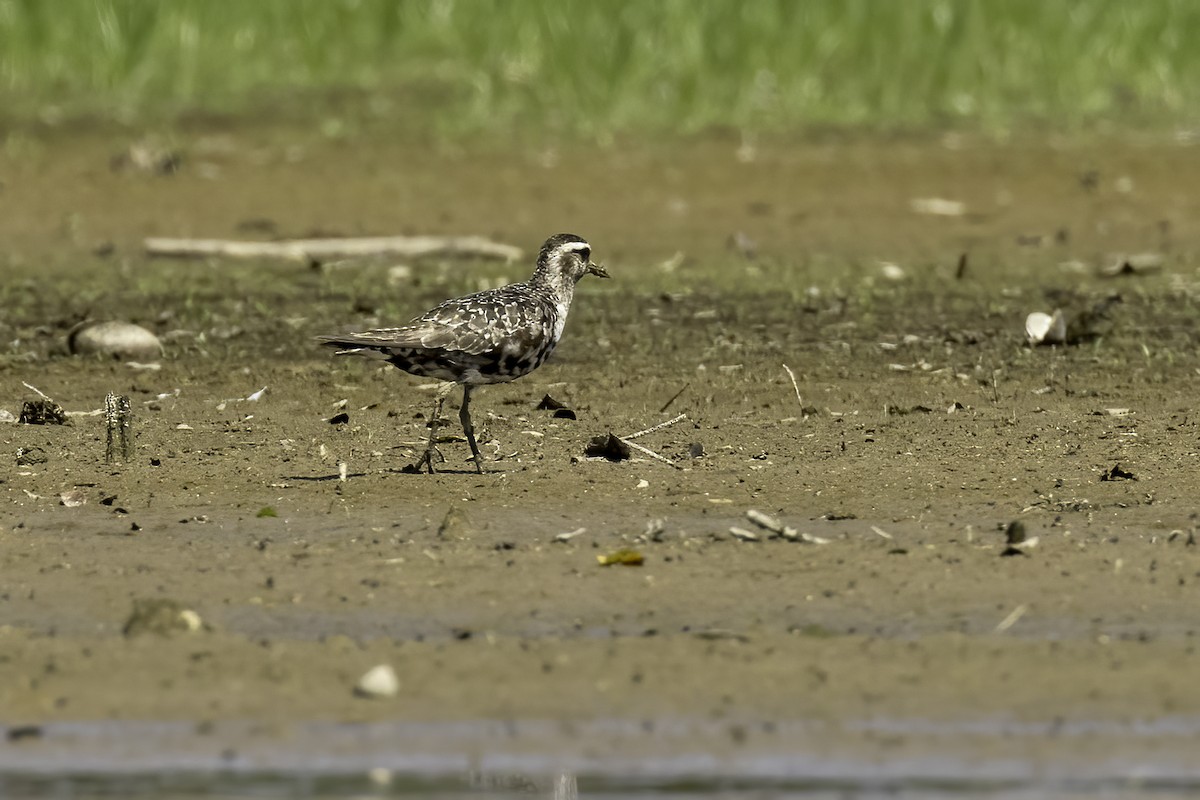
[425,462]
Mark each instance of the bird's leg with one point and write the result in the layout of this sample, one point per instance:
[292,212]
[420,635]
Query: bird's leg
[435,422]
[464,416]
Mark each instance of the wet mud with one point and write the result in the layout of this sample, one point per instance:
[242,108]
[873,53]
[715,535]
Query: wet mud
[847,362]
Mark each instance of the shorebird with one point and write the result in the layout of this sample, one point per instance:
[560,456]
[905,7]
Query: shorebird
[494,336]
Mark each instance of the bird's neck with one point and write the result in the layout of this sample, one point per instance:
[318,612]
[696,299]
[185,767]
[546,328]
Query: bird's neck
[557,285]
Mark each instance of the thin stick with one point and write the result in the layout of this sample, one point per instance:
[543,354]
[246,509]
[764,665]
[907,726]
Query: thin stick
[657,427]
[650,453]
[308,250]
[1012,618]
[795,385]
[31,387]
[674,397]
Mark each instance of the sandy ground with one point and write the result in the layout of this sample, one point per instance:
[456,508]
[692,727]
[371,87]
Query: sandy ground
[924,426]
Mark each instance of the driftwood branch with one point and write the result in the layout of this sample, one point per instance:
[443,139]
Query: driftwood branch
[309,250]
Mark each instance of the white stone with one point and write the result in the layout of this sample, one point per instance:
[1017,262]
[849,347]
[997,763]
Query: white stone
[121,339]
[378,681]
[1042,328]
[938,206]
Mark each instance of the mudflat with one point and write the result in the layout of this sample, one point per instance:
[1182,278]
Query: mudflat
[850,358]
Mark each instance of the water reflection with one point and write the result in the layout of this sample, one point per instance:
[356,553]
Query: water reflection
[559,786]
[605,759]
[562,786]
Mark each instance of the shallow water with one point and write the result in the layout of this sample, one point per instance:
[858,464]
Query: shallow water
[183,786]
[867,758]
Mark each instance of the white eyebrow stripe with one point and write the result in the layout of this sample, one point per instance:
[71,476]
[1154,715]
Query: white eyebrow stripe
[576,246]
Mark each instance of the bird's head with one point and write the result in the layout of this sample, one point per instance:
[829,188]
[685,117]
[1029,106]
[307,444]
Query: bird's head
[569,256]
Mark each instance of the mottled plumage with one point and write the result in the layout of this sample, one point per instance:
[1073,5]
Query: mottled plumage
[493,336]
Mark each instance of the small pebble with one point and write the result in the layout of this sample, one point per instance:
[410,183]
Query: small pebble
[160,616]
[378,681]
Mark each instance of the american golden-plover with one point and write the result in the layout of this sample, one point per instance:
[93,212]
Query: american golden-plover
[494,336]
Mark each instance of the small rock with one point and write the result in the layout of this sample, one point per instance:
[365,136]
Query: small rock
[73,498]
[1016,541]
[548,403]
[607,447]
[378,681]
[380,776]
[656,528]
[118,339]
[455,525]
[191,620]
[148,157]
[741,243]
[21,733]
[1117,473]
[1042,328]
[162,617]
[399,274]
[31,456]
[1136,264]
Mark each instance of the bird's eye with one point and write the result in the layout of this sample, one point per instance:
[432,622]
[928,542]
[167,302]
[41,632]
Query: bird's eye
[584,254]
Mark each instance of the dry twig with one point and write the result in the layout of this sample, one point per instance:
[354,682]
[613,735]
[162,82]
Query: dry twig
[310,250]
[651,453]
[795,385]
[654,428]
[33,388]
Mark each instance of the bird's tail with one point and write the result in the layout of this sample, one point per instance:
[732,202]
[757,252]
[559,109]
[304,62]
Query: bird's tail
[349,347]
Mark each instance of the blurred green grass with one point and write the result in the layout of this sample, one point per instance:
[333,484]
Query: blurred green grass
[602,67]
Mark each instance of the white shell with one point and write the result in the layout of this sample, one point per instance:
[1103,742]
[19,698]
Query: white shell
[191,620]
[938,206]
[380,776]
[1041,328]
[764,520]
[569,535]
[793,535]
[120,339]
[378,681]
